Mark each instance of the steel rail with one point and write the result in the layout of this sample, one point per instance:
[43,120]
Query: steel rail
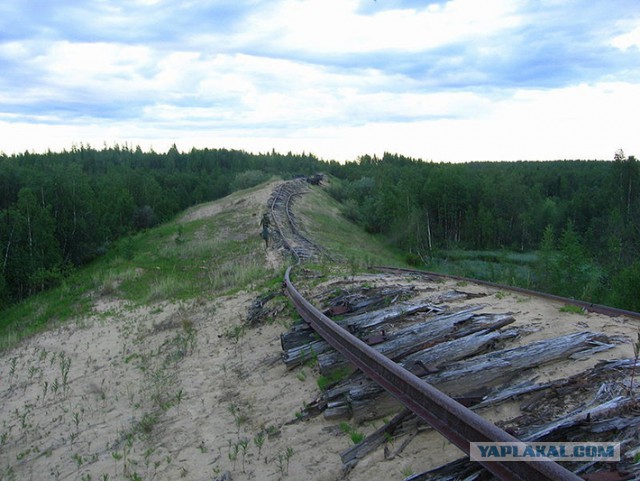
[457,423]
[588,306]
[286,200]
[275,219]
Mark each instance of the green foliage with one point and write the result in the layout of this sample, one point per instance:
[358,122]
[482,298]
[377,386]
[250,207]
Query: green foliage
[625,290]
[355,435]
[59,210]
[326,381]
[571,308]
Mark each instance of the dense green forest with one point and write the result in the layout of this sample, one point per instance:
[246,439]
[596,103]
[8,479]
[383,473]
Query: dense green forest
[582,216]
[60,210]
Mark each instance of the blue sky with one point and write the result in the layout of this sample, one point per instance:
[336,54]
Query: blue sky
[453,80]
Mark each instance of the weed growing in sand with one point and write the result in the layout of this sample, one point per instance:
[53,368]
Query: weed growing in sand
[336,376]
[407,471]
[233,453]
[239,419]
[55,386]
[78,459]
[572,309]
[243,444]
[282,461]
[12,366]
[76,419]
[356,436]
[65,366]
[259,440]
[236,333]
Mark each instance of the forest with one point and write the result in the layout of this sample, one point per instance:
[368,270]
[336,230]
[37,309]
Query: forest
[61,210]
[581,218]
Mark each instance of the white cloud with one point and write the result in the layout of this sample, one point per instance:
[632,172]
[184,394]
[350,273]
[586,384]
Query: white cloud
[335,26]
[627,40]
[457,80]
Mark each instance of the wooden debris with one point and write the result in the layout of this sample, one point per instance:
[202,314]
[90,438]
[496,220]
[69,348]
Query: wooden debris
[473,376]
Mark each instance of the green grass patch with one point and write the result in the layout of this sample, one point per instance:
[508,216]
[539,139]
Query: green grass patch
[326,381]
[343,240]
[572,309]
[356,436]
[174,261]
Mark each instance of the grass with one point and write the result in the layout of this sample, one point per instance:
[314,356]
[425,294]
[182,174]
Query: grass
[326,381]
[572,309]
[346,242]
[174,261]
[503,267]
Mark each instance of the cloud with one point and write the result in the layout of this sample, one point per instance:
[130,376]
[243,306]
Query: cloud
[346,76]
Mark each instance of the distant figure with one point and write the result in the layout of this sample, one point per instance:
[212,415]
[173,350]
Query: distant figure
[265,229]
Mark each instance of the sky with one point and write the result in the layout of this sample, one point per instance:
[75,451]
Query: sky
[451,81]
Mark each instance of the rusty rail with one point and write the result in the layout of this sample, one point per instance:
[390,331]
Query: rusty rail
[587,306]
[457,423]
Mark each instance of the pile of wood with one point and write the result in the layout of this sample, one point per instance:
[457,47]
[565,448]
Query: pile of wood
[474,356]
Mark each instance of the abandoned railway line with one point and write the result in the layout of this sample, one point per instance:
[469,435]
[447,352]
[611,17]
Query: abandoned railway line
[399,350]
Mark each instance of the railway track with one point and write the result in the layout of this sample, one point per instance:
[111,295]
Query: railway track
[287,232]
[458,424]
[587,306]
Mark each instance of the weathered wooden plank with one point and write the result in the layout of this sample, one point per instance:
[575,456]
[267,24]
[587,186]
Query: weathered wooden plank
[438,355]
[417,336]
[479,374]
[375,439]
[299,355]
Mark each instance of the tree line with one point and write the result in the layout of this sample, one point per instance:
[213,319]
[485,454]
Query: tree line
[583,216]
[61,210]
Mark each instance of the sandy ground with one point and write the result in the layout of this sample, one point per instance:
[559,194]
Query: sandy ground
[180,391]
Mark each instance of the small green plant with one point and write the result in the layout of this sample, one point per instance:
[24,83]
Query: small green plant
[236,333]
[259,440]
[272,432]
[233,453]
[238,418]
[407,471]
[244,445]
[55,386]
[302,377]
[283,460]
[356,436]
[65,366]
[324,382]
[77,458]
[147,423]
[12,366]
[76,419]
[572,309]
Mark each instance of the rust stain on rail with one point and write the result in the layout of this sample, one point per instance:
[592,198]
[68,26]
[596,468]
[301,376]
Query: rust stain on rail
[457,423]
